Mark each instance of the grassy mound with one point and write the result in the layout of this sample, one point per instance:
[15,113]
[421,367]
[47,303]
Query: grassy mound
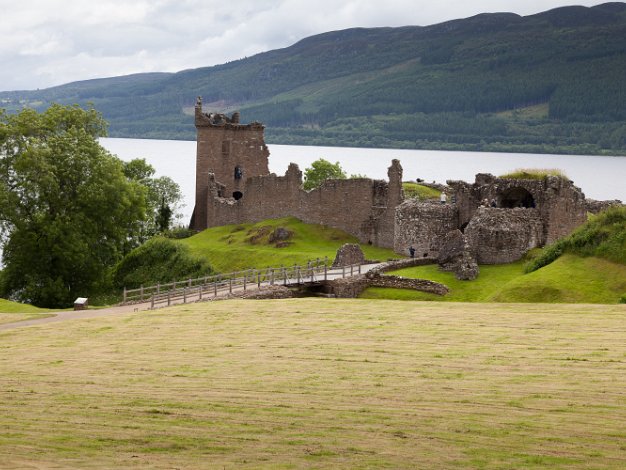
[571,279]
[235,247]
[419,191]
[15,311]
[604,236]
[159,260]
[534,173]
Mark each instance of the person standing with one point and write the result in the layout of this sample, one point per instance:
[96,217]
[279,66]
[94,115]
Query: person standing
[443,198]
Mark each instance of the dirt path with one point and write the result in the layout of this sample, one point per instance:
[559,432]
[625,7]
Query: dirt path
[76,315]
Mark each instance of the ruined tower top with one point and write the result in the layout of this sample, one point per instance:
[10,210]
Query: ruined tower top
[222,120]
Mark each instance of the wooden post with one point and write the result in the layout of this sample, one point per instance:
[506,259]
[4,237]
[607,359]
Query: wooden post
[189,283]
[124,295]
[244,281]
[184,295]
[351,270]
[200,292]
[169,300]
[258,279]
[215,288]
[343,271]
[325,272]
[359,269]
[230,285]
[272,277]
[141,292]
[152,302]
[298,274]
[158,288]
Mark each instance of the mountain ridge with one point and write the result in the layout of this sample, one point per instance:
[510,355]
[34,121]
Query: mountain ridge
[560,75]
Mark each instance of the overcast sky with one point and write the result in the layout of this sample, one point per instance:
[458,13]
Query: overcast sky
[50,42]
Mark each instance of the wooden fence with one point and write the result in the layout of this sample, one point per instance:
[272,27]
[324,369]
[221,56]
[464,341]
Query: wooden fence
[191,290]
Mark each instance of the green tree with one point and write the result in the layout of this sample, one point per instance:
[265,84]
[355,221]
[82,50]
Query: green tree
[320,171]
[163,197]
[67,210]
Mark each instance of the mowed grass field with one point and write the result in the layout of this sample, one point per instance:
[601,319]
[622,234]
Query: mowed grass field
[319,383]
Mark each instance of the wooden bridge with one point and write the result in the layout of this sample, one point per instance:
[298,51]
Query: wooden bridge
[192,290]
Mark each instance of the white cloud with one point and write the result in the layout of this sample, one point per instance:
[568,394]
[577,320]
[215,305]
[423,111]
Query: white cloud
[50,42]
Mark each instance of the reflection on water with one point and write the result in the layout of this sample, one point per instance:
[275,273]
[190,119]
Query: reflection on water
[598,177]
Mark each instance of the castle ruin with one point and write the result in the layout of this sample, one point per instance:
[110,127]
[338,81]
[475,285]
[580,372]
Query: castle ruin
[500,218]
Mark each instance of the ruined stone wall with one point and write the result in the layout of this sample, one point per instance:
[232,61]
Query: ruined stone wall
[358,206]
[560,204]
[423,225]
[504,235]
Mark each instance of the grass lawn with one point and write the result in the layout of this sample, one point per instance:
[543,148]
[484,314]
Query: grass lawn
[235,247]
[14,311]
[304,383]
[569,279]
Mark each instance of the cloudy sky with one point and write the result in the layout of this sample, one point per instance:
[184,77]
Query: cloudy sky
[50,42]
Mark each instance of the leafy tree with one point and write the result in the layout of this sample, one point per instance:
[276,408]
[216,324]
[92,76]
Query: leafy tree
[320,171]
[67,210]
[163,197]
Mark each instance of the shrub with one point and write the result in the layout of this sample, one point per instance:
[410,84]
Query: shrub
[158,260]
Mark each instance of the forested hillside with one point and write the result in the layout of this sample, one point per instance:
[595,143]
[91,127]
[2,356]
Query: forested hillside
[551,82]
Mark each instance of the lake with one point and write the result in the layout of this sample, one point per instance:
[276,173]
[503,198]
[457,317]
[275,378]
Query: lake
[599,177]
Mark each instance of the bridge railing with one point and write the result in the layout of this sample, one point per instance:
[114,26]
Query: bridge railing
[249,276]
[221,284]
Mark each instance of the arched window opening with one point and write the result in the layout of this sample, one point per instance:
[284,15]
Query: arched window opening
[516,197]
[237,195]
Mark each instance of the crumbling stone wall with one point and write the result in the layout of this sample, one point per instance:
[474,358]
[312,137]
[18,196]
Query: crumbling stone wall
[362,207]
[504,235]
[560,205]
[423,225]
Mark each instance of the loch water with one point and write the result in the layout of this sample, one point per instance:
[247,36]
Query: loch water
[599,177]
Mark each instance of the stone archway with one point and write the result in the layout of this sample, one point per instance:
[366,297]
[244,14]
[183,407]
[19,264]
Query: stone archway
[516,197]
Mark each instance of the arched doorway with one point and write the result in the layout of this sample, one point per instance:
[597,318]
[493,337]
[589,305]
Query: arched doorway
[516,197]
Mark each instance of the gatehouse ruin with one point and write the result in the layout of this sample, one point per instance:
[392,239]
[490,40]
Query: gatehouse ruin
[500,218]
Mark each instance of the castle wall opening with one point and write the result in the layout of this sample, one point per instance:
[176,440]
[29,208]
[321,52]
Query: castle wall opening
[516,197]
[237,195]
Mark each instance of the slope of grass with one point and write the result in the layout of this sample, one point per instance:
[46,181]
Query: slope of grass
[604,236]
[311,383]
[234,247]
[492,278]
[14,311]
[570,279]
[419,191]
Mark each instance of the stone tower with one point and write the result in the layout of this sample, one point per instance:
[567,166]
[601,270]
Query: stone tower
[232,152]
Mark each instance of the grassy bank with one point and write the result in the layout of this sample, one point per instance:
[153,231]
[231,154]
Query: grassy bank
[569,279]
[234,247]
[14,311]
[319,383]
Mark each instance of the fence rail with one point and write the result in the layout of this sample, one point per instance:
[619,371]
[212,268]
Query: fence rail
[220,284]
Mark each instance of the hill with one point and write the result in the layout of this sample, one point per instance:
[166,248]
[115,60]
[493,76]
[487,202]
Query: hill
[552,82]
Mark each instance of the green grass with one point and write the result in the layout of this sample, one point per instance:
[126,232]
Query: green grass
[319,383]
[534,173]
[603,235]
[491,279]
[419,191]
[235,247]
[570,279]
[14,311]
